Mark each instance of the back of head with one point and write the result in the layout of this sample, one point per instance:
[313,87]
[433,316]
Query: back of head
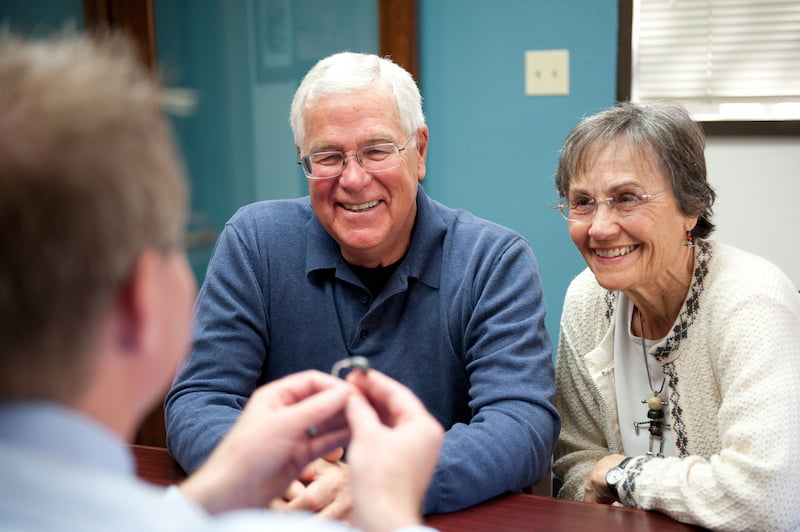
[663,133]
[348,72]
[88,180]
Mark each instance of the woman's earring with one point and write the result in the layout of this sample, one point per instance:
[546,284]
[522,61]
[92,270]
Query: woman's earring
[689,243]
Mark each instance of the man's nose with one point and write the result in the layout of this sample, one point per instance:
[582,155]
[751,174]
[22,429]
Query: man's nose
[353,174]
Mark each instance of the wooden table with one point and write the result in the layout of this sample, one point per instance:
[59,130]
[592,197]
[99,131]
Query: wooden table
[154,464]
[533,513]
[507,513]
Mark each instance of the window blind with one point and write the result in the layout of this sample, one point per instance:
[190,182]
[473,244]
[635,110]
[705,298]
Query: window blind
[724,59]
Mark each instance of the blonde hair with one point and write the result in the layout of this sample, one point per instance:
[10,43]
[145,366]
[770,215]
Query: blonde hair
[89,179]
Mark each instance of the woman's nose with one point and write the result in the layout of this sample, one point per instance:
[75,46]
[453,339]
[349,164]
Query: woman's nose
[604,223]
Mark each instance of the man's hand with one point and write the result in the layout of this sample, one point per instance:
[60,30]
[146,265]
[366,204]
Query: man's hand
[394,448]
[323,488]
[270,444]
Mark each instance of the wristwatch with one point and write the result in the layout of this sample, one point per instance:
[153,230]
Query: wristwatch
[615,476]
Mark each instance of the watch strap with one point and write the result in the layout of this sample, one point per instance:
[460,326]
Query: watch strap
[613,487]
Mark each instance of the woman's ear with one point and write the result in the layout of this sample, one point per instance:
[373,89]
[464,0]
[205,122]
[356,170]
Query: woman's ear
[690,223]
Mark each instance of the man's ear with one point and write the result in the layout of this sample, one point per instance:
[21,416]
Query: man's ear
[137,306]
[421,146]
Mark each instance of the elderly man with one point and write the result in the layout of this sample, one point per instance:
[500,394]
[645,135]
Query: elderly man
[369,265]
[95,311]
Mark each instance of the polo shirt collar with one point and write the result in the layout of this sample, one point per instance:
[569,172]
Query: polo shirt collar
[422,261]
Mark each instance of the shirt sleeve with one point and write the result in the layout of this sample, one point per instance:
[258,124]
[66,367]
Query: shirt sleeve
[508,443]
[229,350]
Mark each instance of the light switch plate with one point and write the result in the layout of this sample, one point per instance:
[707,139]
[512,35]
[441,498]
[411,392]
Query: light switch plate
[546,72]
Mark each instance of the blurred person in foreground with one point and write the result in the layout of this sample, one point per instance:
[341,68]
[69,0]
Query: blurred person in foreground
[678,356]
[368,265]
[95,303]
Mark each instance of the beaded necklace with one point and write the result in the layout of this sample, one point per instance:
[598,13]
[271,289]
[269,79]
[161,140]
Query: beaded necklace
[655,412]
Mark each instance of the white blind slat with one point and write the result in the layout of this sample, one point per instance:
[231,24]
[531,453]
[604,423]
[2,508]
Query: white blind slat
[719,52]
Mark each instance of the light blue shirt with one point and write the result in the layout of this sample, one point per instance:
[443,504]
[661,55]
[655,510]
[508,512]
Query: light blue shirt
[60,470]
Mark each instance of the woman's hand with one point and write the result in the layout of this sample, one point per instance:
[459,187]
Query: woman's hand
[596,490]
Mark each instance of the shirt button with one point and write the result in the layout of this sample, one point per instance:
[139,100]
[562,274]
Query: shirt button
[364,299]
[364,333]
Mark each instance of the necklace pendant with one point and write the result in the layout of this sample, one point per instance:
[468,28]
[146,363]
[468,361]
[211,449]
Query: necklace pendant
[655,425]
[655,403]
[655,406]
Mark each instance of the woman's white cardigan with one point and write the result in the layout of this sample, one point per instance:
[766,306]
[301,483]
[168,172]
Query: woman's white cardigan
[732,363]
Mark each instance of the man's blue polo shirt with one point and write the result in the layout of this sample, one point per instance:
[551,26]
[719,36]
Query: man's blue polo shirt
[460,322]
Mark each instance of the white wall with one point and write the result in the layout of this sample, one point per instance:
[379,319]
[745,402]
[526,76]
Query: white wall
[757,180]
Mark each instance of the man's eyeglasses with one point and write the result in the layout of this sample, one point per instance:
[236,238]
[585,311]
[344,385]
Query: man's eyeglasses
[581,207]
[375,158]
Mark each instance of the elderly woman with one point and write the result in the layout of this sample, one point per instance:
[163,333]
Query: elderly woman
[679,358]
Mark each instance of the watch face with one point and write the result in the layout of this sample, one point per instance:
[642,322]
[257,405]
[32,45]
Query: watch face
[614,476]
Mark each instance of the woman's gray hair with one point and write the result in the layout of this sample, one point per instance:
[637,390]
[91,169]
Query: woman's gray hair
[347,72]
[662,132]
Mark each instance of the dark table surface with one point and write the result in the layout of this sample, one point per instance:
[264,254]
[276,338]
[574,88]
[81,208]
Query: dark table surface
[507,513]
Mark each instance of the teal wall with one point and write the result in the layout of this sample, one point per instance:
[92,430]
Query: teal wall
[243,59]
[41,17]
[493,150]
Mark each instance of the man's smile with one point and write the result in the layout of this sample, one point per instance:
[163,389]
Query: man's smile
[358,207]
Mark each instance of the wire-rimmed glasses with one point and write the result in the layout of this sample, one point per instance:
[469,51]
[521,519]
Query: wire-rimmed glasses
[373,158]
[625,202]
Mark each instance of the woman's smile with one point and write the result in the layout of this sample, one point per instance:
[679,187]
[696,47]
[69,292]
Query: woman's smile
[608,253]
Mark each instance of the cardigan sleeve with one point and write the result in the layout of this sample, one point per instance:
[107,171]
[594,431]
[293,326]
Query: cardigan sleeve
[586,434]
[581,443]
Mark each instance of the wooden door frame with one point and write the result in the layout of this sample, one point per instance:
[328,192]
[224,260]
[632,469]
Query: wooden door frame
[134,17]
[398,31]
[397,27]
